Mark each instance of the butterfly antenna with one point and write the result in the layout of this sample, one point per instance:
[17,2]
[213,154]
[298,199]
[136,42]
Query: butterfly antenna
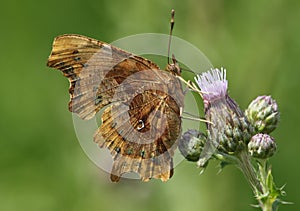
[171,30]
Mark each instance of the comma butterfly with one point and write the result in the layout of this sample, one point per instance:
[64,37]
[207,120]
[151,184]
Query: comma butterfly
[142,118]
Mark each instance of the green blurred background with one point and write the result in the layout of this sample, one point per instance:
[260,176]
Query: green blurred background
[42,166]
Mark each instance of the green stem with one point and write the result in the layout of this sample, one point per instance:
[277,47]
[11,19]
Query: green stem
[267,206]
[262,169]
[258,181]
[270,192]
[249,171]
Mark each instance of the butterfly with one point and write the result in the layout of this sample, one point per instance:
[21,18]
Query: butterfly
[142,104]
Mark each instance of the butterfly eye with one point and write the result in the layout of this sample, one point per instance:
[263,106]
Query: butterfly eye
[174,69]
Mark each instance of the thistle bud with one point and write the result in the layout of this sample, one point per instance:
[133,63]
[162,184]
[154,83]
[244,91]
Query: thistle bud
[263,114]
[191,144]
[262,146]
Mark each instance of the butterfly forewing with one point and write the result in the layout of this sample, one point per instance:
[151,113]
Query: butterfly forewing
[85,62]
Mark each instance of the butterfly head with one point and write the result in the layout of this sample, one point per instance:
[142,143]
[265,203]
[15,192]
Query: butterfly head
[174,67]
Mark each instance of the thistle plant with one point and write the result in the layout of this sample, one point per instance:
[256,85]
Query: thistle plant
[236,137]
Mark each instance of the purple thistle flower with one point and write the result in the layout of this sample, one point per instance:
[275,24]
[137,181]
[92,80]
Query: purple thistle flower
[228,130]
[213,84]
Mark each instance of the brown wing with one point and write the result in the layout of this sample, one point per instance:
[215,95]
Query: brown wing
[141,131]
[94,70]
[142,123]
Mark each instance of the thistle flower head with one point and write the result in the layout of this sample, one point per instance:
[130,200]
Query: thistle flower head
[191,144]
[263,114]
[213,84]
[228,130]
[262,146]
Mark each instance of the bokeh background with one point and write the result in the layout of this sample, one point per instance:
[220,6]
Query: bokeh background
[42,166]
